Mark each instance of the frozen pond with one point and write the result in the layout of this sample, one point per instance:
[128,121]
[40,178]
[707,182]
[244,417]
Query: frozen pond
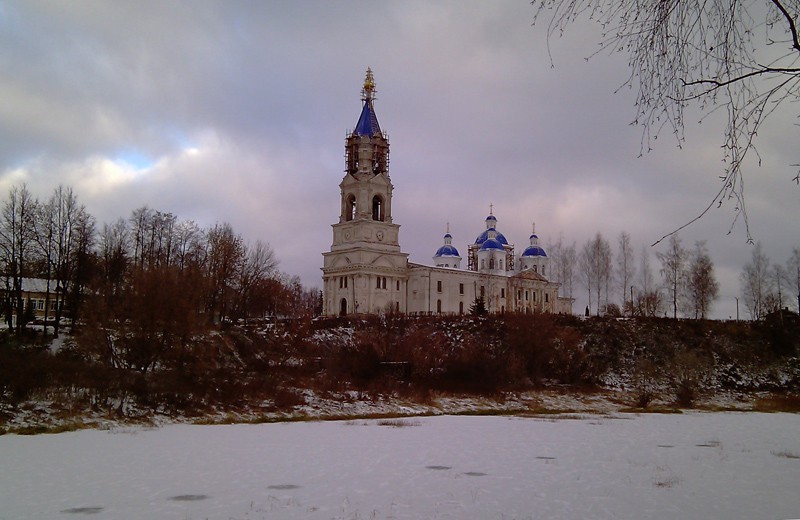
[694,466]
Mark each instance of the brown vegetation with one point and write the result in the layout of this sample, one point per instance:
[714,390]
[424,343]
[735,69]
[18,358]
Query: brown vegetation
[264,368]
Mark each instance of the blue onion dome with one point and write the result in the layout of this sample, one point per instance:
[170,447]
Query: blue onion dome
[534,249]
[492,243]
[483,236]
[447,249]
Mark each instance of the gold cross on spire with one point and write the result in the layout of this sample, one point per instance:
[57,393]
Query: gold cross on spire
[369,86]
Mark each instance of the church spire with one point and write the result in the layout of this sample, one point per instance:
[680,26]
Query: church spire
[368,122]
[367,147]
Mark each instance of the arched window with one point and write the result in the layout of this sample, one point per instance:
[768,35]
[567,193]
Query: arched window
[350,209]
[343,307]
[377,208]
[439,306]
[491,263]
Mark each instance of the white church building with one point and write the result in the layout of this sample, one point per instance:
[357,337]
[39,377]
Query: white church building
[366,272]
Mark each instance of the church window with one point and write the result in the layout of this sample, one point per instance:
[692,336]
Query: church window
[378,282]
[534,295]
[501,264]
[383,283]
[546,297]
[519,294]
[439,286]
[526,295]
[343,307]
[439,306]
[377,208]
[535,268]
[461,307]
[542,270]
[502,292]
[461,288]
[483,263]
[398,286]
[350,210]
[483,291]
[341,282]
[491,263]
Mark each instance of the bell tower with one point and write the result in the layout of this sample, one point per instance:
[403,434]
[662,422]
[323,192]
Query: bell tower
[365,271]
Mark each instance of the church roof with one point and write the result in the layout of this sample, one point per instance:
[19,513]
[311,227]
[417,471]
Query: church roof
[483,236]
[534,251]
[493,243]
[447,250]
[368,122]
[530,274]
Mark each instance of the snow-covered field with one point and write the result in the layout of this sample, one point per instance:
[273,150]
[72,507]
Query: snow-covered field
[693,466]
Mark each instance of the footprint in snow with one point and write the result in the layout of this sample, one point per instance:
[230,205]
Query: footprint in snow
[82,510]
[188,498]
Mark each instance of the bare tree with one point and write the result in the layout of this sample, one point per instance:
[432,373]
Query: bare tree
[673,271]
[595,268]
[17,235]
[563,260]
[775,299]
[701,284]
[57,231]
[741,57]
[793,274]
[259,264]
[569,260]
[755,281]
[225,257]
[648,297]
[626,267]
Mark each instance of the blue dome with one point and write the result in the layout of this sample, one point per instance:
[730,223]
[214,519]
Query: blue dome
[483,236]
[534,251]
[493,243]
[447,250]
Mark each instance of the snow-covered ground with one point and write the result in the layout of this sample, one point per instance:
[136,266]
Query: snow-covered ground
[693,465]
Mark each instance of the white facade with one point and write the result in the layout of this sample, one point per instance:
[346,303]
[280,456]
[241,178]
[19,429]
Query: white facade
[365,270]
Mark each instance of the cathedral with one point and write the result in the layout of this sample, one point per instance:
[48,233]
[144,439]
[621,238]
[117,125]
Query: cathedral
[366,272]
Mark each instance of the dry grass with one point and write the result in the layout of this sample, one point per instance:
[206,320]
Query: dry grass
[778,403]
[398,423]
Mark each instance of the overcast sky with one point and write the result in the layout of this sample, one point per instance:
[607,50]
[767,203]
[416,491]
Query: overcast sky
[237,112]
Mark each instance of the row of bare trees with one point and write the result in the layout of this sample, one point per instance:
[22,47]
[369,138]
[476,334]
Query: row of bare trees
[768,287]
[50,240]
[151,271]
[688,284]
